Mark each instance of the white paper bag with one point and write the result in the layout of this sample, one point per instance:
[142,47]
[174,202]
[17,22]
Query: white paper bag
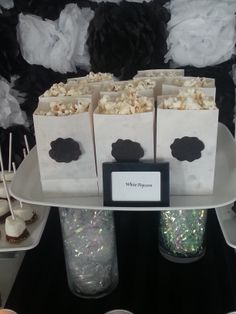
[65,148]
[187,140]
[111,132]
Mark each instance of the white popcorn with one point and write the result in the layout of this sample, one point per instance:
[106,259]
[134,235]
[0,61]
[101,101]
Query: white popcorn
[74,88]
[47,93]
[139,85]
[93,77]
[112,86]
[145,84]
[57,108]
[195,82]
[126,103]
[130,86]
[98,77]
[190,99]
[57,89]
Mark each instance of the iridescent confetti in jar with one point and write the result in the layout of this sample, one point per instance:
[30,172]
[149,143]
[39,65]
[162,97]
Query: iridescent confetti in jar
[182,234]
[90,251]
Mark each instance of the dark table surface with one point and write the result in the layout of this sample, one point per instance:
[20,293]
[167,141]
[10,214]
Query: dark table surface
[147,282]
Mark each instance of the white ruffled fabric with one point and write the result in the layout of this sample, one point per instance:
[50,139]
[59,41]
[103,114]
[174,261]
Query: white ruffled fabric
[20,96]
[59,45]
[10,112]
[73,23]
[6,4]
[201,32]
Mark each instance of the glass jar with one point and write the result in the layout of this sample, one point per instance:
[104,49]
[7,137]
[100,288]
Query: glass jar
[182,235]
[90,251]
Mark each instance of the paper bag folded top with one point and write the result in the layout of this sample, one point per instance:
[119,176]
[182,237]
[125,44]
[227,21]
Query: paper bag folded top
[160,73]
[94,77]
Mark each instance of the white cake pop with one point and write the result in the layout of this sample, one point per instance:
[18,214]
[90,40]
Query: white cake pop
[15,229]
[25,212]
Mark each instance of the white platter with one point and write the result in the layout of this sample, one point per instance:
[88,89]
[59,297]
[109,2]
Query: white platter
[224,187]
[35,230]
[227,221]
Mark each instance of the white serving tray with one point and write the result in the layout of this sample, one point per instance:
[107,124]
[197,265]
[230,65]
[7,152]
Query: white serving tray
[35,230]
[224,188]
[227,221]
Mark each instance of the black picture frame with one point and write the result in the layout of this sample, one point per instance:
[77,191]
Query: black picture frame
[110,167]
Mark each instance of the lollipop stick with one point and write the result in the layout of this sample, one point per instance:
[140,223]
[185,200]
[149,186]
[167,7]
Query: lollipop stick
[24,152]
[14,169]
[5,185]
[10,152]
[26,144]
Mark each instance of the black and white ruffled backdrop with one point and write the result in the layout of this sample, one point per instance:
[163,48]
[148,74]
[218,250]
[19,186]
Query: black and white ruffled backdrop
[47,41]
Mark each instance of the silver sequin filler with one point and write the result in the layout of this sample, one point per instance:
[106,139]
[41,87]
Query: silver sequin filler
[90,251]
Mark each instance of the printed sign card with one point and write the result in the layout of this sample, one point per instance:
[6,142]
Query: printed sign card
[136,184]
